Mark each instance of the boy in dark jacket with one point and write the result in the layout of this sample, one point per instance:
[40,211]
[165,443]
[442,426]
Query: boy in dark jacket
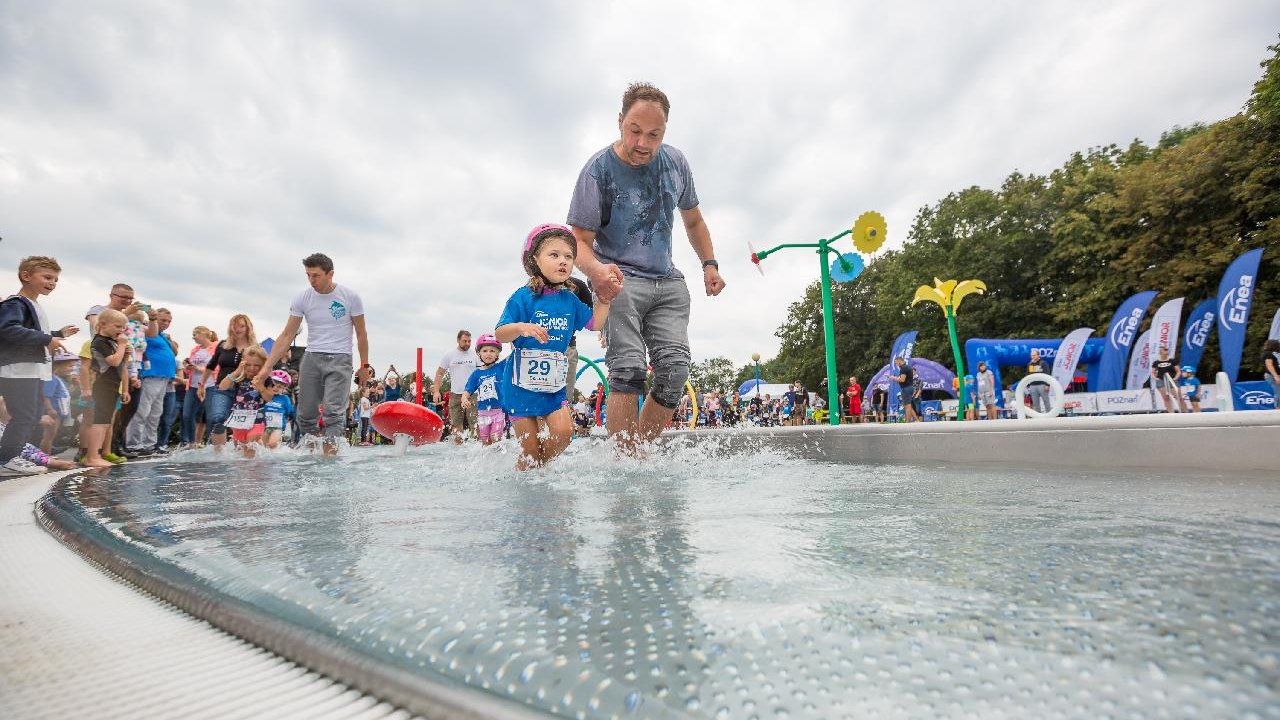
[26,345]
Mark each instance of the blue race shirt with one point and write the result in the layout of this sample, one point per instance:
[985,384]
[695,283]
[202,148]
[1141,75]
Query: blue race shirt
[562,314]
[632,209]
[483,385]
[279,406]
[1191,386]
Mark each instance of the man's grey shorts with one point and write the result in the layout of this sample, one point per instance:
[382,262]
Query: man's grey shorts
[650,315]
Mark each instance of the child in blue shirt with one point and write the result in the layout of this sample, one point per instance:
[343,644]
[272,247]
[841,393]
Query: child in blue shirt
[1190,385]
[278,411]
[539,320]
[482,391]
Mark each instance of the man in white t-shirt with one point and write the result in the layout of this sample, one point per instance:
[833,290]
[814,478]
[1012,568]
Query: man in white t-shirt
[459,363]
[332,312]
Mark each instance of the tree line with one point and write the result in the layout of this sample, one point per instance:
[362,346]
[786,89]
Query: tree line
[1063,250]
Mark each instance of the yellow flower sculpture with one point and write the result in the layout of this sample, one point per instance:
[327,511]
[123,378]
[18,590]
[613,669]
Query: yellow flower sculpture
[948,295]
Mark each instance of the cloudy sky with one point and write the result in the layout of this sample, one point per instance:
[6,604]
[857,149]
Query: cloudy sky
[198,151]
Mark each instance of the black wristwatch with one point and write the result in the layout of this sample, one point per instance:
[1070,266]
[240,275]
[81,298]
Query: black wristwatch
[710,263]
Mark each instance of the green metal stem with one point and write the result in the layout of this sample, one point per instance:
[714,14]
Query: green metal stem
[955,350]
[829,333]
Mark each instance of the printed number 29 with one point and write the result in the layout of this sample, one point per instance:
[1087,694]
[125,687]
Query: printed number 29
[539,367]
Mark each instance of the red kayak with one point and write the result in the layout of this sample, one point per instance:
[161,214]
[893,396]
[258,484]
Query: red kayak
[398,416]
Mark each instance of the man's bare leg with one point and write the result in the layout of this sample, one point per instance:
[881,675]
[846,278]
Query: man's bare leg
[630,427]
[622,421]
[653,419]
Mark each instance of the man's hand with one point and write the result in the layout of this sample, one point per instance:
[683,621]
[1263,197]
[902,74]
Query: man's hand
[364,373]
[54,345]
[134,383]
[465,401]
[435,395]
[712,280]
[70,330]
[606,281]
[124,397]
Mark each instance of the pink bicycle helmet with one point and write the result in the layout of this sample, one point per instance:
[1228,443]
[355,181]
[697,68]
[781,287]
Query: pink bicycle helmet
[282,377]
[533,241]
[489,340]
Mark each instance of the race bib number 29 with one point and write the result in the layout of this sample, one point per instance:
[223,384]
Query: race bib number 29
[541,370]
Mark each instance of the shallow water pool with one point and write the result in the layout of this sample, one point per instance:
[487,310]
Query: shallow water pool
[752,582]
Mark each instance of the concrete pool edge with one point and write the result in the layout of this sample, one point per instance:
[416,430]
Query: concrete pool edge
[1212,442]
[319,653]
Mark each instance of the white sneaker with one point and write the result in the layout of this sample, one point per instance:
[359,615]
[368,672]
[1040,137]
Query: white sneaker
[18,466]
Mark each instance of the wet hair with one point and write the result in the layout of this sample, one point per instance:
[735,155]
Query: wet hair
[645,92]
[318,260]
[537,282]
[37,262]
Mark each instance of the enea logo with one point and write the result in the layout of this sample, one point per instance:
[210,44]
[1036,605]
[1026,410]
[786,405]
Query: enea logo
[1257,399]
[1122,331]
[1197,333]
[1233,309]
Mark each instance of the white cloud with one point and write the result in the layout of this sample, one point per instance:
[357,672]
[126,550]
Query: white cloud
[199,151]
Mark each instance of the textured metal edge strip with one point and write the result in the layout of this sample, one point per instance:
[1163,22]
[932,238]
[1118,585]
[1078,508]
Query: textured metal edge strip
[63,518]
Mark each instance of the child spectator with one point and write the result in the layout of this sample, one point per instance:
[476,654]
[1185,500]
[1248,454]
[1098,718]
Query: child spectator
[26,344]
[109,349]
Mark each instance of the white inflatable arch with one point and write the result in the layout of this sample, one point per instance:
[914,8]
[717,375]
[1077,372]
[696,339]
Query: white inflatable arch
[1056,396]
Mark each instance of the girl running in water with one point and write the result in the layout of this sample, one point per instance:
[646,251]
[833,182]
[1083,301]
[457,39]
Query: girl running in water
[247,420]
[482,391]
[538,321]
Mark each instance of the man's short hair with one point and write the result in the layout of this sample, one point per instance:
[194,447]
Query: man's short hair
[121,286]
[643,91]
[37,262]
[463,332]
[161,311]
[318,260]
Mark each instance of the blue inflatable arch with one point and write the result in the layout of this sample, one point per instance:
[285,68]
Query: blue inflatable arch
[1006,353]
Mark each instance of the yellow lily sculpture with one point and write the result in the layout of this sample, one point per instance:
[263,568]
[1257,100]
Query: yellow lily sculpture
[948,295]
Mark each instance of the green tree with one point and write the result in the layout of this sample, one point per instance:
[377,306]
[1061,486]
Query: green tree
[1061,251]
[717,373]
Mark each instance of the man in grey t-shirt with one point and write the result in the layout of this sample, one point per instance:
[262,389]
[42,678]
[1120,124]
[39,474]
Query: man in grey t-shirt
[622,214]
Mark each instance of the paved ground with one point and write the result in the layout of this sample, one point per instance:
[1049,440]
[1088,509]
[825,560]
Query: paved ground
[80,643]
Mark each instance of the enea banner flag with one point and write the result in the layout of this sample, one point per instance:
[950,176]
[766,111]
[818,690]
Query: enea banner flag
[1235,296]
[1196,334]
[1120,334]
